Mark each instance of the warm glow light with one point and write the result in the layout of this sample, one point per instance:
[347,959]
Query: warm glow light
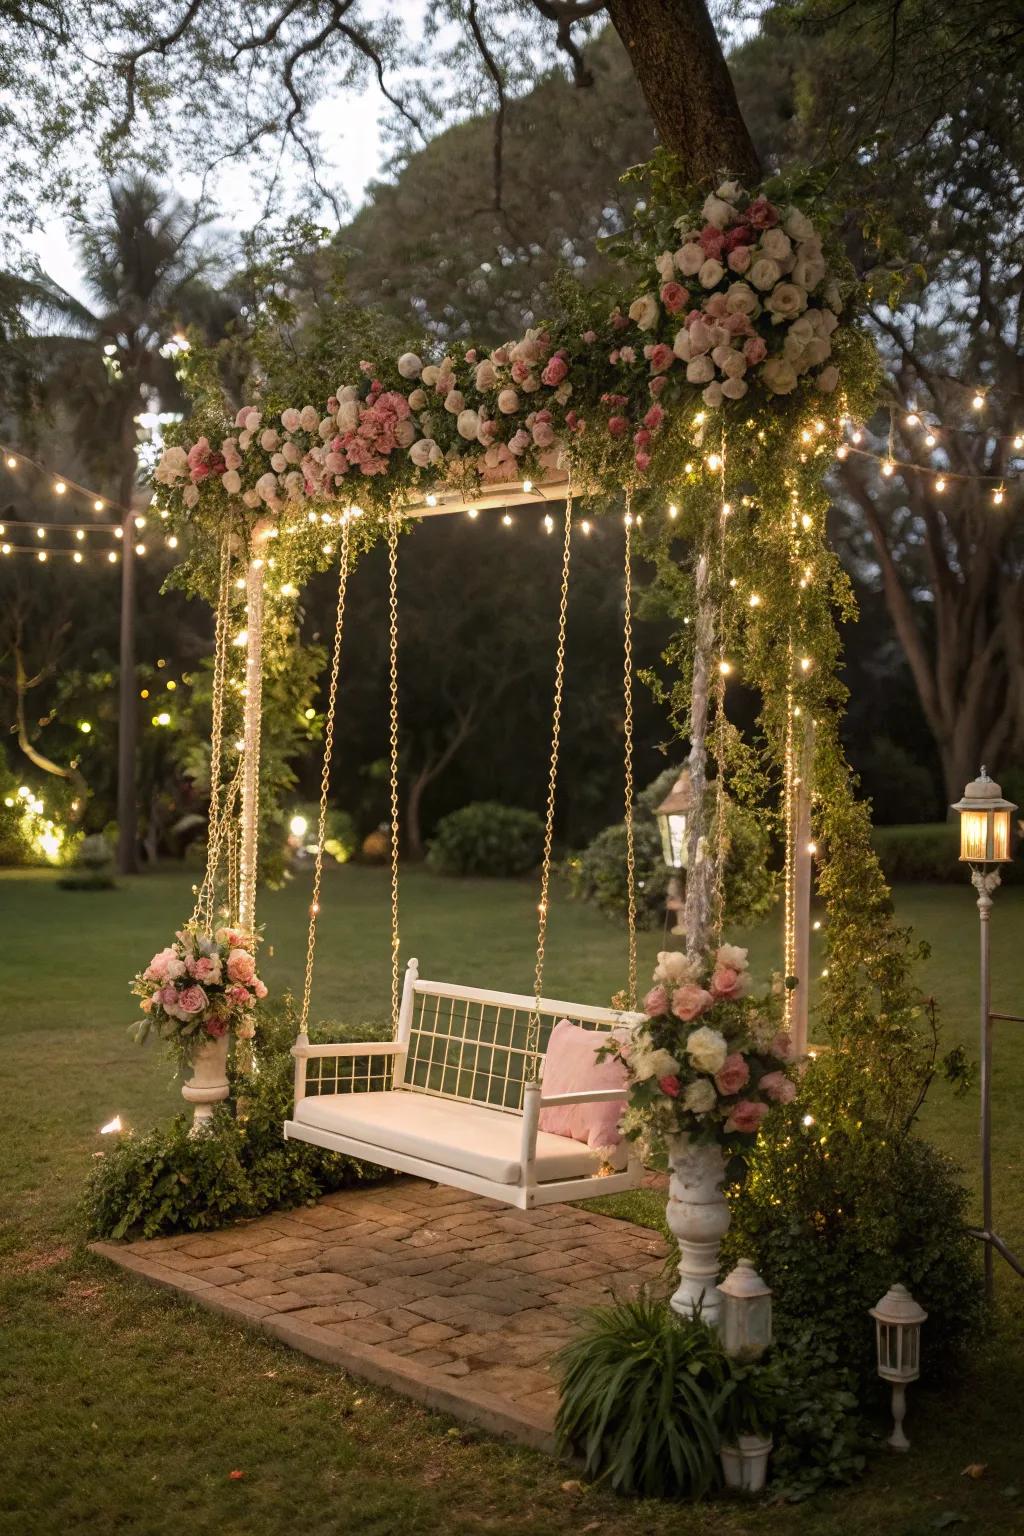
[473,512]
[888,468]
[507,520]
[549,523]
[41,557]
[527,486]
[755,601]
[978,402]
[40,533]
[997,496]
[59,488]
[163,718]
[112,557]
[80,534]
[298,826]
[85,727]
[140,522]
[12,462]
[431,501]
[585,526]
[673,510]
[140,549]
[241,639]
[714,461]
[172,542]
[725,667]
[77,557]
[112,1127]
[97,505]
[940,485]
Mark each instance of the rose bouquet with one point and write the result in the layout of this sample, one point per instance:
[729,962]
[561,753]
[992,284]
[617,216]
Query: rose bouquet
[709,1060]
[200,988]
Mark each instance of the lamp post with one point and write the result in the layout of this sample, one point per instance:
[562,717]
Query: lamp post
[898,1320]
[673,816]
[985,838]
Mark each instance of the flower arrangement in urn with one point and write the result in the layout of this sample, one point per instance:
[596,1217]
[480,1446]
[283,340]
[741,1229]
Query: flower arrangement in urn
[200,988]
[710,1060]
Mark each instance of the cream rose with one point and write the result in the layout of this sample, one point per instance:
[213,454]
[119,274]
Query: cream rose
[740,299]
[711,273]
[644,311]
[657,1063]
[827,379]
[706,1049]
[347,416]
[454,402]
[508,401]
[468,425]
[690,258]
[674,968]
[424,452]
[717,211]
[410,366]
[776,244]
[699,1097]
[797,225]
[764,273]
[786,301]
[779,376]
[700,370]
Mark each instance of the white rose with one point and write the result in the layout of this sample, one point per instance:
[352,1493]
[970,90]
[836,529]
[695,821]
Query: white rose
[765,273]
[807,272]
[266,487]
[309,418]
[486,375]
[706,1049]
[827,379]
[730,191]
[346,392]
[666,265]
[173,464]
[740,299]
[417,400]
[424,452]
[190,495]
[646,1064]
[717,211]
[779,376]
[508,401]
[803,328]
[700,370]
[733,956]
[454,402]
[681,346]
[327,427]
[827,321]
[713,395]
[278,462]
[775,244]
[295,485]
[734,389]
[785,301]
[244,439]
[410,366]
[711,273]
[700,338]
[430,375]
[690,258]
[644,311]
[818,350]
[252,420]
[674,968]
[405,433]
[251,497]
[734,366]
[269,440]
[348,416]
[797,225]
[699,1097]
[468,425]
[833,297]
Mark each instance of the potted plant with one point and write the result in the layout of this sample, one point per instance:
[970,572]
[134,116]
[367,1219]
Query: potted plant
[748,1412]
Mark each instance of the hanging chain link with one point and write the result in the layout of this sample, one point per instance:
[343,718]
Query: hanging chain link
[252,735]
[627,695]
[393,745]
[533,1030]
[325,777]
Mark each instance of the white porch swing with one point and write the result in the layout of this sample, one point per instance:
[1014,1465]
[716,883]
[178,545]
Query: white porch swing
[457,1096]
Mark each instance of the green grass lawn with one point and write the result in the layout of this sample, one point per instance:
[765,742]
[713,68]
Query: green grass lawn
[126,1410]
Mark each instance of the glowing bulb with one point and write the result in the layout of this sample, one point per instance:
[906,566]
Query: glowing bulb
[913,419]
[287,589]
[812,848]
[888,468]
[816,925]
[242,638]
[673,511]
[978,402]
[819,426]
[5,549]
[171,685]
[40,533]
[12,462]
[112,1127]
[298,826]
[726,509]
[59,488]
[997,496]
[431,501]
[85,727]
[507,520]
[239,745]
[41,556]
[77,557]
[1018,441]
[328,549]
[310,714]
[805,436]
[842,451]
[163,718]
[714,461]
[473,513]
[112,557]
[527,486]
[549,523]
[725,667]
[805,664]
[586,527]
[808,1120]
[687,468]
[140,549]
[118,533]
[755,601]
[79,534]
[940,485]
[805,520]
[856,436]
[172,541]
[97,505]
[140,522]
[931,440]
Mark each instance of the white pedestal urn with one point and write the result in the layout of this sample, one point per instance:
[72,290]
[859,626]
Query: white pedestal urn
[698,1218]
[208,1084]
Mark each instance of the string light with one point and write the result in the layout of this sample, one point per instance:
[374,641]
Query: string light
[527,486]
[77,557]
[888,468]
[586,527]
[41,557]
[112,557]
[473,513]
[140,549]
[80,534]
[978,403]
[59,489]
[97,505]
[940,485]
[507,520]
[673,511]
[11,463]
[549,523]
[714,462]
[725,667]
[755,601]
[998,495]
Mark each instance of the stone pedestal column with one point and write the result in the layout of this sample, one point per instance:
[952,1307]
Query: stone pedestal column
[208,1084]
[698,1218]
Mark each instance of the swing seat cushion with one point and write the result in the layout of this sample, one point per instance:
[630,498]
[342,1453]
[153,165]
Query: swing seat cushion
[449,1133]
[571,1066]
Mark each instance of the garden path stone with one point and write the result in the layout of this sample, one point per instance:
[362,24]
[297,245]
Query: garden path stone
[449,1298]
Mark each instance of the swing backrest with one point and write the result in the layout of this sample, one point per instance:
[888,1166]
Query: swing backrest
[471,1044]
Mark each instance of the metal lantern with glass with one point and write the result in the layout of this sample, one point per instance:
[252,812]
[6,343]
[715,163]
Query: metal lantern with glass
[898,1320]
[746,1319]
[986,834]
[674,825]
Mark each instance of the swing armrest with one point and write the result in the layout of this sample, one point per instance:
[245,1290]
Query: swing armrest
[584,1096]
[347,1048]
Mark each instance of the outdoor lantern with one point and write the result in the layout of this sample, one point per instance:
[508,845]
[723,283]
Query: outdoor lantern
[898,1320]
[985,823]
[746,1319]
[674,822]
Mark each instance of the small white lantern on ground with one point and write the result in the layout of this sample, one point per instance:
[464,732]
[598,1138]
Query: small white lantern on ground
[673,816]
[898,1320]
[746,1318]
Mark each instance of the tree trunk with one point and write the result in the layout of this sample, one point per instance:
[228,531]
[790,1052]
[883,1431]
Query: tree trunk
[127,725]
[678,61]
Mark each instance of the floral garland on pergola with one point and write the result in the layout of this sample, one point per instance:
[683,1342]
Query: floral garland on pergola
[719,382]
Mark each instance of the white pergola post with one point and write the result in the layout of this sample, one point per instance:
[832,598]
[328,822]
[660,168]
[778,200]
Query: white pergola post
[803,864]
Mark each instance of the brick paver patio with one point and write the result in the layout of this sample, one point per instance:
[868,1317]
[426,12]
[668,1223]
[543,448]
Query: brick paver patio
[450,1298]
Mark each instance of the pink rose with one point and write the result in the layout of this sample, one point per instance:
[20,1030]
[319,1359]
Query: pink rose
[618,426]
[654,418]
[761,214]
[746,1117]
[716,306]
[661,357]
[727,983]
[656,1002]
[215,1027]
[755,350]
[669,1085]
[739,259]
[241,966]
[656,385]
[778,1087]
[589,337]
[642,460]
[711,240]
[732,1075]
[738,235]
[674,297]
[207,968]
[192,1000]
[690,1001]
[259,987]
[554,371]
[168,996]
[157,968]
[240,996]
[782,1045]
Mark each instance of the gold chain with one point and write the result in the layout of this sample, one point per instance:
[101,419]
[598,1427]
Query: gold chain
[533,1032]
[205,897]
[393,700]
[627,694]
[325,778]
[253,698]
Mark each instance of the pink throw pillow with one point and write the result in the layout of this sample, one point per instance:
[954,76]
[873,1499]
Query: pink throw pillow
[571,1066]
